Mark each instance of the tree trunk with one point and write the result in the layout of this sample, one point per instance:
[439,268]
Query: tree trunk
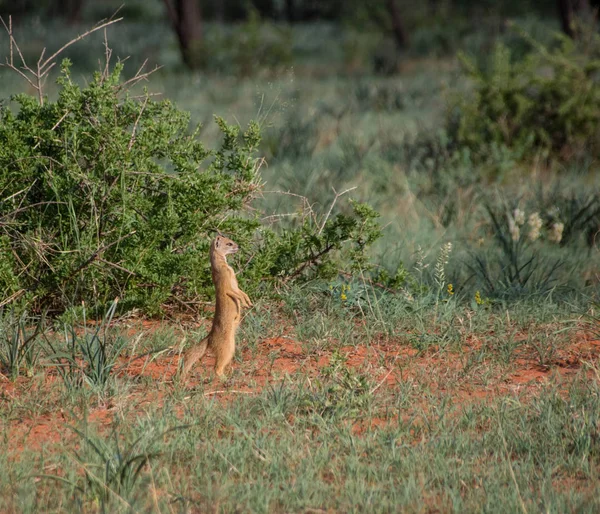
[219,10]
[186,20]
[434,5]
[74,8]
[290,11]
[400,34]
[568,10]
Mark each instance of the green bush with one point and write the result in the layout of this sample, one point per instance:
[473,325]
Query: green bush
[106,197]
[105,194]
[548,102]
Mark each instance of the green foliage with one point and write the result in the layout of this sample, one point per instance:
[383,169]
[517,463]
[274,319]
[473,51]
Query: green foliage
[308,250]
[342,391]
[113,468]
[107,195]
[548,102]
[591,320]
[104,196]
[19,334]
[87,355]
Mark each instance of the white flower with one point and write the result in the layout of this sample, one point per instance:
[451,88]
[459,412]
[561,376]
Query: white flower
[519,217]
[407,296]
[535,224]
[513,228]
[557,232]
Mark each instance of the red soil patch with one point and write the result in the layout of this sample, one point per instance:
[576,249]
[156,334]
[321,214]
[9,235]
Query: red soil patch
[389,364]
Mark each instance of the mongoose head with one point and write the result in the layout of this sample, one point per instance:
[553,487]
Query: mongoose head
[224,245]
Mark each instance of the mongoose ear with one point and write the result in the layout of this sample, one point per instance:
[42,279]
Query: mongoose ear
[217,241]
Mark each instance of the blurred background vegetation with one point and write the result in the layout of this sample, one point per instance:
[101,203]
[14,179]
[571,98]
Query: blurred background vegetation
[470,122]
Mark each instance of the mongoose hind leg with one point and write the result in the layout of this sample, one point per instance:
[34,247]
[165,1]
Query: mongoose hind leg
[223,357]
[193,355]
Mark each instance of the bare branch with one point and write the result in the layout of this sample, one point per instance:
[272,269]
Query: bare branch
[30,206]
[135,125]
[60,120]
[107,56]
[13,45]
[274,217]
[10,38]
[307,206]
[138,77]
[115,265]
[31,83]
[171,12]
[312,260]
[78,38]
[337,195]
[40,75]
[45,72]
[12,297]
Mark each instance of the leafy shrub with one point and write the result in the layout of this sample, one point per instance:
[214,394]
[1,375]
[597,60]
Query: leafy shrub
[87,355]
[105,194]
[307,250]
[106,197]
[548,102]
[18,337]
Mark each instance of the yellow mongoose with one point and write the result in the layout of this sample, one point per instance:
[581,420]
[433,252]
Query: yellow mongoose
[229,300]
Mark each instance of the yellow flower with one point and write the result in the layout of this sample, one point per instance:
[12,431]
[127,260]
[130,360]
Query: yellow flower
[343,297]
[450,289]
[478,299]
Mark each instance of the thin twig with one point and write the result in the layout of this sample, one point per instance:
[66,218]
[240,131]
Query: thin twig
[107,56]
[114,265]
[27,207]
[43,66]
[135,125]
[313,260]
[307,205]
[78,38]
[60,120]
[337,195]
[209,393]
[273,217]
[381,383]
[13,45]
[139,76]
[180,301]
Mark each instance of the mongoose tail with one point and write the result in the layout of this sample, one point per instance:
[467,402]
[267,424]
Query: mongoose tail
[193,355]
